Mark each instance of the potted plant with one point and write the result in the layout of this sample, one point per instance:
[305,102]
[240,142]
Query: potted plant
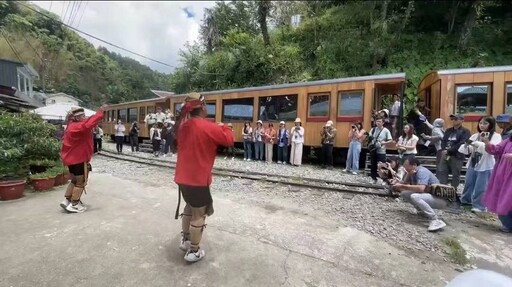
[62,174]
[43,181]
[24,139]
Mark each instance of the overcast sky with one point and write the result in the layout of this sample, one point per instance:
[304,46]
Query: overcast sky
[156,29]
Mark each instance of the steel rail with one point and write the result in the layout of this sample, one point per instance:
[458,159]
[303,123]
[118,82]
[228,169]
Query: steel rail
[251,176]
[312,179]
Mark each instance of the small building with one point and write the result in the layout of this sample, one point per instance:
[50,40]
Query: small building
[17,82]
[61,98]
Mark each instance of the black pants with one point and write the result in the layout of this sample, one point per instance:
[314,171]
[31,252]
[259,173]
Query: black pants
[282,153]
[134,142]
[327,155]
[97,144]
[119,143]
[374,159]
[156,145]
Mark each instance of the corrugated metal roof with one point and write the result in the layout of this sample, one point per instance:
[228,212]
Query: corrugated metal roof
[139,101]
[305,84]
[476,70]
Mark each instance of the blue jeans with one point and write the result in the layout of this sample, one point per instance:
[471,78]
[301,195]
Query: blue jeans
[282,153]
[354,150]
[506,220]
[247,149]
[474,188]
[258,150]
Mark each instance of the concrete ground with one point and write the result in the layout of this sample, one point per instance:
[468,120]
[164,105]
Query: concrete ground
[129,237]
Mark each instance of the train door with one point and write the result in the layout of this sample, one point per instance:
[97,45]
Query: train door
[389,97]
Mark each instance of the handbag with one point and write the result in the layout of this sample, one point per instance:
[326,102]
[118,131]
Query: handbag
[443,191]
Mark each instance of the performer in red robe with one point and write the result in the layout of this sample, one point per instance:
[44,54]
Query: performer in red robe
[76,152]
[196,140]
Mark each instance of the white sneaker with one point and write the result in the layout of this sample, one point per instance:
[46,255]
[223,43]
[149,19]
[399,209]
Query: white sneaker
[345,170]
[78,208]
[436,224]
[353,172]
[245,159]
[184,244]
[476,210]
[65,203]
[248,159]
[279,162]
[192,256]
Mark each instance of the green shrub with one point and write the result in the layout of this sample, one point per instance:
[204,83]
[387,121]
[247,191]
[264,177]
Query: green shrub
[25,139]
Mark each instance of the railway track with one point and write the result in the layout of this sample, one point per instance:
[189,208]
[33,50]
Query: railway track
[302,182]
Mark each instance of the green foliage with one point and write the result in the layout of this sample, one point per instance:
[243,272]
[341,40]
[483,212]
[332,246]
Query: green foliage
[71,64]
[25,139]
[343,39]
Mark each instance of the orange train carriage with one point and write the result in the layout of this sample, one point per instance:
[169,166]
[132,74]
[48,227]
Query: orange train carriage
[343,101]
[473,92]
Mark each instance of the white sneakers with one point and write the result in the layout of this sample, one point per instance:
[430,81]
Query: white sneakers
[436,224]
[194,256]
[184,243]
[65,204]
[78,208]
[190,256]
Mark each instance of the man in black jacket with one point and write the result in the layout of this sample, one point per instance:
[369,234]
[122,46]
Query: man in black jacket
[451,159]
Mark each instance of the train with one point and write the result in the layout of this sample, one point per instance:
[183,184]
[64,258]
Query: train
[473,92]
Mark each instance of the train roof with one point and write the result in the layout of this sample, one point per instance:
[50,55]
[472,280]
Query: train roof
[139,101]
[475,70]
[305,84]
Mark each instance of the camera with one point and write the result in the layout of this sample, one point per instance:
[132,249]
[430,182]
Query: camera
[484,134]
[353,126]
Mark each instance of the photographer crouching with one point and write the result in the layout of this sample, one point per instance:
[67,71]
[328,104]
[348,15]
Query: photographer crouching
[378,139]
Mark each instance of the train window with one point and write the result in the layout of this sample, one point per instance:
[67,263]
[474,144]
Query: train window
[472,99]
[237,109]
[142,113]
[508,108]
[132,115]
[278,108]
[318,105]
[121,115]
[211,108]
[177,109]
[350,103]
[113,115]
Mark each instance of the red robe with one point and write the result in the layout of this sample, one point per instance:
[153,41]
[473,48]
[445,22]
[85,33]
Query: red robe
[77,146]
[198,140]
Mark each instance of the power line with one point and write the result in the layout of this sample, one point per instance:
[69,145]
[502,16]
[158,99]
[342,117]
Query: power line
[80,20]
[76,12]
[94,37]
[12,47]
[67,8]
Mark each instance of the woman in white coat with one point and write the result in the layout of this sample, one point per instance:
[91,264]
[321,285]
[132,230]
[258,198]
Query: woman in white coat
[297,142]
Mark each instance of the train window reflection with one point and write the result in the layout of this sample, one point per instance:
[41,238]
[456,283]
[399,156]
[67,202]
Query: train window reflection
[350,103]
[318,105]
[132,115]
[237,109]
[508,104]
[472,99]
[210,107]
[278,108]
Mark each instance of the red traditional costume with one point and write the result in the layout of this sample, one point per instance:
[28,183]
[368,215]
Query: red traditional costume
[76,152]
[197,140]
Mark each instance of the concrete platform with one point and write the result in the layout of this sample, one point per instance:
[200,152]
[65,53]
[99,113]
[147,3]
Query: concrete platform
[129,237]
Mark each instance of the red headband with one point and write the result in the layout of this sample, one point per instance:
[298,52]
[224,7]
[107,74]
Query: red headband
[190,105]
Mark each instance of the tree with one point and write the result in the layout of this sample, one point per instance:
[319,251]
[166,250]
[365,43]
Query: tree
[264,7]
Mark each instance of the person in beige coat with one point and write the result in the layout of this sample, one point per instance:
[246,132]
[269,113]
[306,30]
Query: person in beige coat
[297,142]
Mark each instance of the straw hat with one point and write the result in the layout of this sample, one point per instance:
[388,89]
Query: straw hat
[328,124]
[297,120]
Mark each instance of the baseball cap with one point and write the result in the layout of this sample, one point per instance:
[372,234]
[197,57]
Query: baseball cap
[503,118]
[457,116]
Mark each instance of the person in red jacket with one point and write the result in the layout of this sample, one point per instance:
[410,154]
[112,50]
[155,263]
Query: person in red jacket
[196,140]
[76,152]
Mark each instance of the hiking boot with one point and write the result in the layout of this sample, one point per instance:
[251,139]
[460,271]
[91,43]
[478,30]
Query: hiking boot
[194,256]
[436,224]
[77,208]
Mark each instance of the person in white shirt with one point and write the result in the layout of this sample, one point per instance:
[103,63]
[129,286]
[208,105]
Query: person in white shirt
[406,144]
[480,163]
[297,136]
[119,135]
[259,132]
[155,134]
[159,115]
